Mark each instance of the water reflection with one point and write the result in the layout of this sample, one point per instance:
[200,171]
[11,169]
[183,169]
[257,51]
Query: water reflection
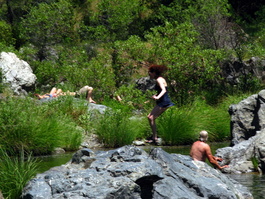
[47,162]
[253,181]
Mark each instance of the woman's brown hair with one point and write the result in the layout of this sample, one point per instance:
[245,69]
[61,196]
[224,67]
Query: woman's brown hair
[157,69]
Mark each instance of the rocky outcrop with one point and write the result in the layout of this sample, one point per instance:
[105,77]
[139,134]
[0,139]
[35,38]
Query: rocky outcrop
[245,118]
[145,83]
[130,172]
[235,70]
[247,156]
[247,151]
[16,73]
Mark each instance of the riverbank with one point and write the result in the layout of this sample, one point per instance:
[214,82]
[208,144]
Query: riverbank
[253,181]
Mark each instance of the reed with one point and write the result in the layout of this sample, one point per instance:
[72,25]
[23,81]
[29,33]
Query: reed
[117,128]
[180,126]
[15,172]
[38,128]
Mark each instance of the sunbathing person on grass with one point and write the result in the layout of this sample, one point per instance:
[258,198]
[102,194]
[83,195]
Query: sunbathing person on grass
[58,92]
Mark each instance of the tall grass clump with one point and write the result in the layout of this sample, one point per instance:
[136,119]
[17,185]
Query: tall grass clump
[212,118]
[15,172]
[117,128]
[175,127]
[74,108]
[178,126]
[38,128]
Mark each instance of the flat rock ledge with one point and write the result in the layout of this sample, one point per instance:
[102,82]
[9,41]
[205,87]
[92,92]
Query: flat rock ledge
[131,173]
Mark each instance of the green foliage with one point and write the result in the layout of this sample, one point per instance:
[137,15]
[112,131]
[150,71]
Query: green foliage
[191,67]
[135,98]
[6,36]
[126,58]
[48,24]
[178,126]
[175,127]
[106,44]
[255,163]
[210,18]
[38,128]
[5,48]
[117,129]
[112,19]
[1,82]
[47,72]
[15,172]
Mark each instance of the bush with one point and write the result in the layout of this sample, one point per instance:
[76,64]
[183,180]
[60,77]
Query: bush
[135,98]
[6,36]
[175,127]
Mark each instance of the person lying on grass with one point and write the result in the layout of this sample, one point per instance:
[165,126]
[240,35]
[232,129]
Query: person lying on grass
[58,92]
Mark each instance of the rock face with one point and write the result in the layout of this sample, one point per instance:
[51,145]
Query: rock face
[247,151]
[145,83]
[234,70]
[247,117]
[130,172]
[246,156]
[17,73]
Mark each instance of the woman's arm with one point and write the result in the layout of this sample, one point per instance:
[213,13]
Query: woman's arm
[161,83]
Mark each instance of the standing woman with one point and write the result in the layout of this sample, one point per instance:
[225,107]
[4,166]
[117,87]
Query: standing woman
[162,98]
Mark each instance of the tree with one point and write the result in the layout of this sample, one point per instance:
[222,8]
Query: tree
[48,25]
[192,69]
[112,20]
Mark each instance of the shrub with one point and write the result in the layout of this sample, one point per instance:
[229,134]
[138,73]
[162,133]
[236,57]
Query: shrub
[6,36]
[135,98]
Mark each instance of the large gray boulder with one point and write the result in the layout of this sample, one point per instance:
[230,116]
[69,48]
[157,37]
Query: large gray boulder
[247,117]
[246,156]
[244,120]
[16,73]
[130,172]
[247,151]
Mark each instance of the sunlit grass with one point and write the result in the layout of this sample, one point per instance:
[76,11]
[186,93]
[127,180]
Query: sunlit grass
[37,128]
[15,172]
[179,126]
[117,128]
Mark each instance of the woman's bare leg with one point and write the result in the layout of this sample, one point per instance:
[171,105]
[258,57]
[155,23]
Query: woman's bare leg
[59,92]
[155,113]
[53,91]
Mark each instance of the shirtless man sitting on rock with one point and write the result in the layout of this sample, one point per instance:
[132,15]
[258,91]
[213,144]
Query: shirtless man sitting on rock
[200,150]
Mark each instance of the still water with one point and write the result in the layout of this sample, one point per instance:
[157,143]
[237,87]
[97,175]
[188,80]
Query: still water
[253,181]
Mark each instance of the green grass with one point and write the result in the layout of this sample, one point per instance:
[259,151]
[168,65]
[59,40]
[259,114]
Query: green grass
[15,172]
[180,126]
[37,128]
[117,128]
[176,126]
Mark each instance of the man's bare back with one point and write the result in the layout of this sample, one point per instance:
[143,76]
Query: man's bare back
[201,150]
[198,151]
